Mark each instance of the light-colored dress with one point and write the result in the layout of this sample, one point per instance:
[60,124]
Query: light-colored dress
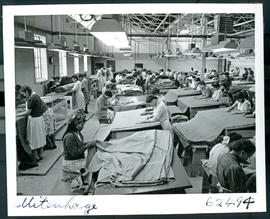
[161,115]
[78,96]
[217,95]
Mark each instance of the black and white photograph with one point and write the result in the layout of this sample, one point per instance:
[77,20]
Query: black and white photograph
[121,103]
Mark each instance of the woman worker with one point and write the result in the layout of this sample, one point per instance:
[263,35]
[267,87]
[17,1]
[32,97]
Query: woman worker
[78,98]
[35,130]
[241,105]
[74,148]
[160,112]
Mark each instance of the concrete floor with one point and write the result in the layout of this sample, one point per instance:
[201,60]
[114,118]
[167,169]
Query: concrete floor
[43,185]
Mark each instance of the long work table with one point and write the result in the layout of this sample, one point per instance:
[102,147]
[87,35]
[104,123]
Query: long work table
[207,125]
[126,103]
[173,94]
[128,122]
[194,105]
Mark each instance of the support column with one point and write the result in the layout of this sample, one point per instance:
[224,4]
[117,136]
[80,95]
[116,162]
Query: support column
[204,31]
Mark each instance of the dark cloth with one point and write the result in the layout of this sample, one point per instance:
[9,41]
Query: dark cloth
[26,160]
[73,146]
[230,174]
[36,105]
[20,98]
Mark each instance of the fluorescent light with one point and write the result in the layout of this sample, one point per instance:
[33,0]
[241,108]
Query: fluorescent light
[110,32]
[116,39]
[224,50]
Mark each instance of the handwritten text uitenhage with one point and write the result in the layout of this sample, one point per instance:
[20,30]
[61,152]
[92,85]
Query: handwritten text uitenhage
[42,202]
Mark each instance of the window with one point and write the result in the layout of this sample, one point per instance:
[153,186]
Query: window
[40,60]
[62,63]
[85,64]
[76,65]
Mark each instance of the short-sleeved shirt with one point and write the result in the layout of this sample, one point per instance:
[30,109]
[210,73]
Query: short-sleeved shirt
[230,174]
[36,105]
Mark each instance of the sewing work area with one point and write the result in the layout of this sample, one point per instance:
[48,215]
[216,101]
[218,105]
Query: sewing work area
[125,104]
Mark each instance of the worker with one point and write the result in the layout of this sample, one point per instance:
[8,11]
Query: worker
[102,106]
[241,105]
[230,173]
[160,112]
[77,95]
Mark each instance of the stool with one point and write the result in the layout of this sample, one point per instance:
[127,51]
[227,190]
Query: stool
[198,153]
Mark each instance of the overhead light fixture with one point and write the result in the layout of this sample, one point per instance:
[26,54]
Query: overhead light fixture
[193,52]
[26,40]
[76,51]
[225,46]
[110,32]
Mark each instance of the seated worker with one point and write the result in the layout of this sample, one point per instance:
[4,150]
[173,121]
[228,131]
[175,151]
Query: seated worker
[252,112]
[52,84]
[230,173]
[74,161]
[241,105]
[218,150]
[160,112]
[102,106]
[217,94]
[206,91]
[227,81]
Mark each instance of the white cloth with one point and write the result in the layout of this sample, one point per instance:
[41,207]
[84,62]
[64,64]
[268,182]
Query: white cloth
[161,114]
[79,102]
[36,133]
[73,166]
[244,107]
[217,95]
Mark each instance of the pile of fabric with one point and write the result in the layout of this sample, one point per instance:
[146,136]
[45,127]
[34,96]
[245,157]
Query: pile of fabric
[141,159]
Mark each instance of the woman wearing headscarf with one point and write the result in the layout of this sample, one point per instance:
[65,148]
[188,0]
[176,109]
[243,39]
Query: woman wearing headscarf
[77,153]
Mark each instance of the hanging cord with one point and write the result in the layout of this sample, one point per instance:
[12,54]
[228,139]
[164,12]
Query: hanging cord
[25,28]
[59,25]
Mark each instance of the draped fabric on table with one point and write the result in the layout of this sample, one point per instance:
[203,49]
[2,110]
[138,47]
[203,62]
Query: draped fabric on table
[207,125]
[141,159]
[173,94]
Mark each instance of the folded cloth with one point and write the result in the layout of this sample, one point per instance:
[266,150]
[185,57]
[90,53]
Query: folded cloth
[143,158]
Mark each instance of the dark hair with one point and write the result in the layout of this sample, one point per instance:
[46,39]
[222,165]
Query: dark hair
[239,95]
[234,136]
[155,91]
[151,97]
[113,80]
[18,87]
[27,89]
[216,85]
[80,75]
[108,93]
[74,76]
[202,83]
[243,145]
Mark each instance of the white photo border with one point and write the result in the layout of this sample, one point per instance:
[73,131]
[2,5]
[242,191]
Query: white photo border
[134,204]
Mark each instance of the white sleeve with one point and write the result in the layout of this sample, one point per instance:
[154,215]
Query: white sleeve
[76,86]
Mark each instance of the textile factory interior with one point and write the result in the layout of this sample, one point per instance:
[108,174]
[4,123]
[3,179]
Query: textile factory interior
[135,104]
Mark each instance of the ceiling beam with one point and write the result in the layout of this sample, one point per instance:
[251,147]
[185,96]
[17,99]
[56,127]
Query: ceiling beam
[161,23]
